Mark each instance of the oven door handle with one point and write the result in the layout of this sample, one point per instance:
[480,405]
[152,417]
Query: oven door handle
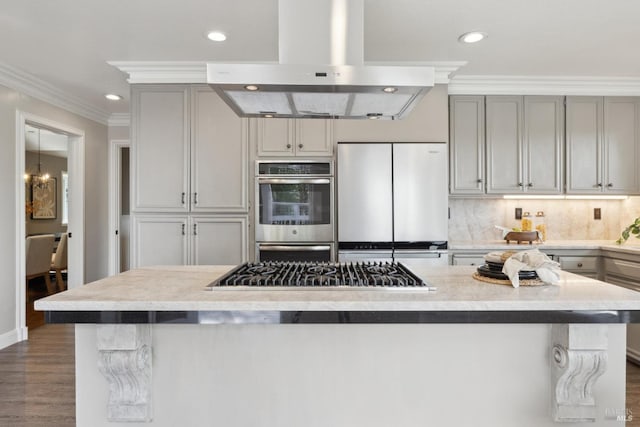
[293,181]
[295,248]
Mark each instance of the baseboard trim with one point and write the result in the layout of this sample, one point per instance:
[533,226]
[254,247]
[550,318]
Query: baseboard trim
[633,355]
[9,338]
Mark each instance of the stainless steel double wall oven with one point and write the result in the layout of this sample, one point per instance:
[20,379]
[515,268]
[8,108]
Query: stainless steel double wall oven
[295,210]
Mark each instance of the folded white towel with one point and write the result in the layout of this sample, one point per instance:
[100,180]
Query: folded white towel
[531,260]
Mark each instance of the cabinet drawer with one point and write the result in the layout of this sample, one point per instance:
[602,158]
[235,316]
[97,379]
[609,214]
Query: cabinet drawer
[626,269]
[467,260]
[579,264]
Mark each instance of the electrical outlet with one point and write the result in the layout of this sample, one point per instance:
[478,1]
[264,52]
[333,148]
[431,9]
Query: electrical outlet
[518,213]
[597,213]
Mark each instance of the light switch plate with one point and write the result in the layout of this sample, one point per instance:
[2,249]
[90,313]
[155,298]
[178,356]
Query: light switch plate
[597,213]
[518,213]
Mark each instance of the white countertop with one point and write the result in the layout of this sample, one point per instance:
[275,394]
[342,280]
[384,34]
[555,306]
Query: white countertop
[182,288]
[630,247]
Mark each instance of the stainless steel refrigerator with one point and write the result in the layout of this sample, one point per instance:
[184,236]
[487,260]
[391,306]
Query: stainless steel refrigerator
[393,202]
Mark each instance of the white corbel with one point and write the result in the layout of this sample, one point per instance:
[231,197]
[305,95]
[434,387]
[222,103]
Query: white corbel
[579,358]
[125,361]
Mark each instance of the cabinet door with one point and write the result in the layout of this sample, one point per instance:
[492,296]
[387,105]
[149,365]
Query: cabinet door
[584,123]
[620,152]
[219,240]
[275,137]
[504,144]
[160,147]
[219,155]
[159,240]
[466,148]
[313,137]
[543,143]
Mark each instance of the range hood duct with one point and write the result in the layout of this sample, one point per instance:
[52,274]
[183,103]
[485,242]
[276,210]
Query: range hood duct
[320,73]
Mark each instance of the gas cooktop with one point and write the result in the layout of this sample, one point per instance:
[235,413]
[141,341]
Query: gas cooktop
[311,275]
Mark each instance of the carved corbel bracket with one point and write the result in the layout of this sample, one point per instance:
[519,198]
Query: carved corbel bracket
[125,361]
[579,357]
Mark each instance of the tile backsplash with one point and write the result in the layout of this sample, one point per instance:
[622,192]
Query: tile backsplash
[474,219]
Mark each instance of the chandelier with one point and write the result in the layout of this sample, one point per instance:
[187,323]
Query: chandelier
[40,180]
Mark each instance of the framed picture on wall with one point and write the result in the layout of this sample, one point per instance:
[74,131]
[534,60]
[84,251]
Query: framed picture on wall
[44,201]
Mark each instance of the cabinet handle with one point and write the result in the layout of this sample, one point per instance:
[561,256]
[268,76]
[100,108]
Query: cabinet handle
[610,185]
[183,229]
[195,198]
[530,184]
[579,264]
[520,184]
[183,195]
[599,185]
[300,145]
[288,145]
[195,229]
[479,180]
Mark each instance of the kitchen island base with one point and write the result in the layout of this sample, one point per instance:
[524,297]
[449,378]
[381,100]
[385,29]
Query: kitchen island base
[370,375]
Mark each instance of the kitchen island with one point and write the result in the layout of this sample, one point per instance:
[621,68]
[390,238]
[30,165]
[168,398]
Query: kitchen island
[152,345]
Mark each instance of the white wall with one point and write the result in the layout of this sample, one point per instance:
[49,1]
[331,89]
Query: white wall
[95,198]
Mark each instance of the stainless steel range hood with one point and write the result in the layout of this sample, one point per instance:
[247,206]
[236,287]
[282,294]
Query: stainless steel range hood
[320,74]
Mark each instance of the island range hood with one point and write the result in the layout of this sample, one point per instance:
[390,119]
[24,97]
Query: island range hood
[321,72]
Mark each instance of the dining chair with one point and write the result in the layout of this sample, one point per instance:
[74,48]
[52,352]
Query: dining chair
[38,251]
[59,261]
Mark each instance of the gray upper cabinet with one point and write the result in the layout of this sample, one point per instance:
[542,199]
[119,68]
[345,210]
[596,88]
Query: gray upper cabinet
[620,156]
[190,151]
[466,148]
[160,148]
[294,137]
[543,144]
[602,145]
[524,144]
[219,155]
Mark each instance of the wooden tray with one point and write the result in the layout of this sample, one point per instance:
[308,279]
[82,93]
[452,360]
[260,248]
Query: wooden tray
[521,236]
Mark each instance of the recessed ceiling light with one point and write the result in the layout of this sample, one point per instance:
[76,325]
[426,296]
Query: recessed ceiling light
[216,36]
[472,37]
[251,87]
[113,97]
[390,89]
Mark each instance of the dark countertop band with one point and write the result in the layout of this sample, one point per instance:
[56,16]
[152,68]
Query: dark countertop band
[329,317]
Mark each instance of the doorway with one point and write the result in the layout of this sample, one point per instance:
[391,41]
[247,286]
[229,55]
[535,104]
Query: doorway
[50,220]
[119,212]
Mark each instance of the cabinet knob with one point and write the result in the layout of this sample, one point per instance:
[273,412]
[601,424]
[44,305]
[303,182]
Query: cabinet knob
[530,184]
[599,185]
[288,145]
[300,145]
[479,180]
[610,185]
[579,264]
[520,184]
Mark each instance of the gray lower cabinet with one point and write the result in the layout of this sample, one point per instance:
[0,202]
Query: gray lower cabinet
[603,145]
[186,239]
[584,265]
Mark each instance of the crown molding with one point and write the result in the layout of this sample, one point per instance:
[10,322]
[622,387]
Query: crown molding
[196,71]
[163,71]
[544,85]
[119,119]
[31,85]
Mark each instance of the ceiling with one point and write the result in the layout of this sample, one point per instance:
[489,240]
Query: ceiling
[67,43]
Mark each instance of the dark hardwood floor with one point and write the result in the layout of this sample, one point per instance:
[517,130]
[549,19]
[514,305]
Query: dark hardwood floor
[37,381]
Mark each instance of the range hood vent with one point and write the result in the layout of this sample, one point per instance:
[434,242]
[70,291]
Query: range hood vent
[320,74]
